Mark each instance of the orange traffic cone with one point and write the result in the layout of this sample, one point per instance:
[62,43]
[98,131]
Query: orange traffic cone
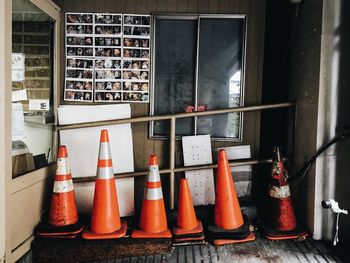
[153,221]
[105,219]
[188,229]
[281,222]
[63,215]
[230,225]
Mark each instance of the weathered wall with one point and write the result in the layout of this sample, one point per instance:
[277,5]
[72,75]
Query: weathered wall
[304,73]
[255,10]
[343,151]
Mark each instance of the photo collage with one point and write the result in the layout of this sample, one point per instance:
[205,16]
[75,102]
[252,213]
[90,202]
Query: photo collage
[107,57]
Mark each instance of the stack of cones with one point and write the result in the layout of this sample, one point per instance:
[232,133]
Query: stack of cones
[189,230]
[105,220]
[280,222]
[229,224]
[63,215]
[153,220]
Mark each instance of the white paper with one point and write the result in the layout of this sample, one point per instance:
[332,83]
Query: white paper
[92,113]
[83,145]
[19,95]
[18,67]
[39,105]
[197,151]
[243,187]
[84,195]
[17,122]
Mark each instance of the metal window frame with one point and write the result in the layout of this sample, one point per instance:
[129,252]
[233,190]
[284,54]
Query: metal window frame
[197,17]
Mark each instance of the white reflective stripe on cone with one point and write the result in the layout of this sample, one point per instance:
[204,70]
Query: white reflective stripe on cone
[63,186]
[63,166]
[154,194]
[153,175]
[105,151]
[279,192]
[105,173]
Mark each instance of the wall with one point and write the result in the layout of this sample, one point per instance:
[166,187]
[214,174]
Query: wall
[304,73]
[333,166]
[343,121]
[255,9]
[5,128]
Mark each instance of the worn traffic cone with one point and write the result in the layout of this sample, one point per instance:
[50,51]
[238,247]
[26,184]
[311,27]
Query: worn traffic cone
[280,222]
[153,221]
[105,219]
[63,215]
[230,225]
[189,229]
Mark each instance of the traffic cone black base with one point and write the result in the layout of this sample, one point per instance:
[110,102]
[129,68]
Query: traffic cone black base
[240,233]
[221,242]
[188,236]
[199,239]
[121,232]
[47,230]
[181,232]
[137,233]
[272,234]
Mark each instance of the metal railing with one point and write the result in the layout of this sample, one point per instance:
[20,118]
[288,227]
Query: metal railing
[172,117]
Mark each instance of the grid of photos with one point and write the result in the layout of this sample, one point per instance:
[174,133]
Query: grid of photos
[107,57]
[108,85]
[79,80]
[79,35]
[107,30]
[136,55]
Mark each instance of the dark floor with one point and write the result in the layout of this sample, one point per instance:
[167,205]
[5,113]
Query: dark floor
[261,250]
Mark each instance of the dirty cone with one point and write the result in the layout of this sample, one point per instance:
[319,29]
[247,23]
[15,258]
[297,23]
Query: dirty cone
[189,230]
[105,218]
[230,226]
[153,220]
[63,215]
[280,222]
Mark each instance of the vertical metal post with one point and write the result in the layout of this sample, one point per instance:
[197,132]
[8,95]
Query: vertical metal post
[172,161]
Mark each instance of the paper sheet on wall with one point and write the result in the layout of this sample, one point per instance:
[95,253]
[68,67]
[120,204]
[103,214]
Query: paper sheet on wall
[83,145]
[17,122]
[196,151]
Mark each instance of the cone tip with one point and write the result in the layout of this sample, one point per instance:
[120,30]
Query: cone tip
[104,136]
[222,153]
[183,181]
[62,152]
[153,160]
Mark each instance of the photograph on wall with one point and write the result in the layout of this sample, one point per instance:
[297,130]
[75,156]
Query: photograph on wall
[79,18]
[107,19]
[108,41]
[107,57]
[136,31]
[132,19]
[79,80]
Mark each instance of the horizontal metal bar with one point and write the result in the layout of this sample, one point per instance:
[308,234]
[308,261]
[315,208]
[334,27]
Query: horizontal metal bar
[177,116]
[179,169]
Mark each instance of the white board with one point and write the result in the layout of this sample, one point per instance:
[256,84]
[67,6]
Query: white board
[197,151]
[242,175]
[83,144]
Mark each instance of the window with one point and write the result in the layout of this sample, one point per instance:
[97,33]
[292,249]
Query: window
[198,66]
[32,87]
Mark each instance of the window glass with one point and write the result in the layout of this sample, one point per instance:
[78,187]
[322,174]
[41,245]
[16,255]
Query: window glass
[201,74]
[174,77]
[32,87]
[219,79]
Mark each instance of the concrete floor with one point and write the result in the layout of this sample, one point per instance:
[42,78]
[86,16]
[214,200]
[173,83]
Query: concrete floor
[261,250]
